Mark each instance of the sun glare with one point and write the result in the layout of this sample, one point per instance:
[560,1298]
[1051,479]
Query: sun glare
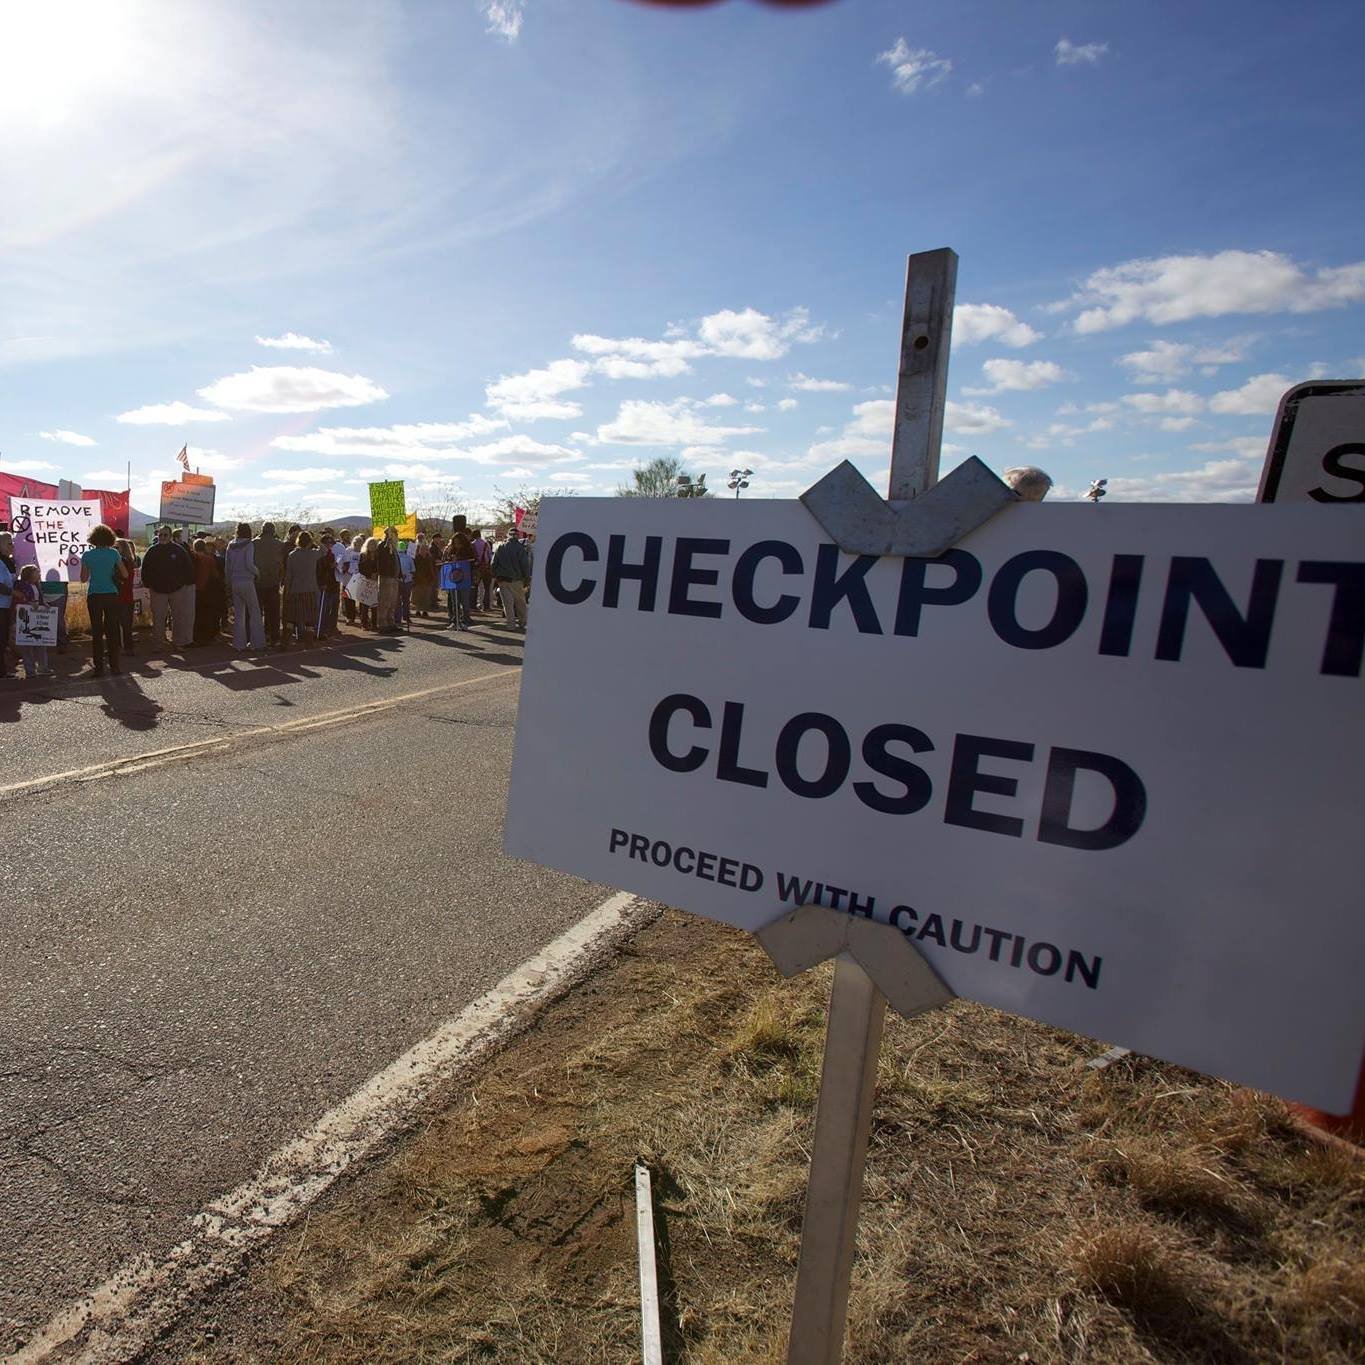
[59,56]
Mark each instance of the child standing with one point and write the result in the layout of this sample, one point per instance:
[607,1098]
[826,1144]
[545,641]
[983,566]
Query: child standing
[28,592]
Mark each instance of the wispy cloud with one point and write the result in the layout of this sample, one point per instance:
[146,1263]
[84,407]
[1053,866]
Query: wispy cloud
[974,322]
[68,438]
[537,394]
[1019,376]
[914,69]
[170,415]
[292,341]
[291,388]
[1168,289]
[1079,54]
[504,17]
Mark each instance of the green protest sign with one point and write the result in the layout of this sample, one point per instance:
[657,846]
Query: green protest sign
[387,504]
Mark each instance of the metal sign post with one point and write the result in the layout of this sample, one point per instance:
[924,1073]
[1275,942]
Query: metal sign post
[873,961]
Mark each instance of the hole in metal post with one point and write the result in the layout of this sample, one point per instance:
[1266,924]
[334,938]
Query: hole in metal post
[921,343]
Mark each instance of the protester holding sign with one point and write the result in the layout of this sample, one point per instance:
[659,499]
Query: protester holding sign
[424,571]
[28,593]
[102,568]
[458,580]
[7,568]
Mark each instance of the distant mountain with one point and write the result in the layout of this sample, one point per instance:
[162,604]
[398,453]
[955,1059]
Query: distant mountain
[137,521]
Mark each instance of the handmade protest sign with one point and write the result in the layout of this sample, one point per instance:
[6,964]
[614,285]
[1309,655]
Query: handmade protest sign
[53,535]
[1100,765]
[363,590]
[387,504]
[35,625]
[455,574]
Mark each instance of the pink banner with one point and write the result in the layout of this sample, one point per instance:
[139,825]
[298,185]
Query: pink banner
[113,506]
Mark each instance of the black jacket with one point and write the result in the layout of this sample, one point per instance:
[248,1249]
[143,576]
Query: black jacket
[165,568]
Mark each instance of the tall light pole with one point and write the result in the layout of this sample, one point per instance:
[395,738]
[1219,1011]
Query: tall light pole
[739,478]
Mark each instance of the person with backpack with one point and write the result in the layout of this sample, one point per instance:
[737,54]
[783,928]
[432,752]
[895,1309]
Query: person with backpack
[512,574]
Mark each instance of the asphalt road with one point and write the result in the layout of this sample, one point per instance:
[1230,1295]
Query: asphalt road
[202,957]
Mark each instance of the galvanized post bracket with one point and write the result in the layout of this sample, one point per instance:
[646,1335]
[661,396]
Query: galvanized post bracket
[862,523]
[812,933]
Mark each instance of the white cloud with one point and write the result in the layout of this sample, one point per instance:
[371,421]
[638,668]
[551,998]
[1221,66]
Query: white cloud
[1179,402]
[571,476]
[664,424]
[1020,376]
[1214,481]
[1261,394]
[535,394]
[869,433]
[504,18]
[751,335]
[521,472]
[1170,359]
[720,400]
[757,383]
[420,474]
[96,478]
[415,440]
[170,415]
[786,404]
[1177,288]
[521,447]
[974,322]
[913,69]
[292,341]
[976,88]
[291,388]
[28,467]
[68,438]
[213,460]
[805,384]
[1077,54]
[637,358]
[1248,447]
[1164,360]
[1176,423]
[761,407]
[972,419]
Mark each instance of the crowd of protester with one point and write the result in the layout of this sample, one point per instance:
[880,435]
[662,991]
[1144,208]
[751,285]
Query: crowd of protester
[270,591]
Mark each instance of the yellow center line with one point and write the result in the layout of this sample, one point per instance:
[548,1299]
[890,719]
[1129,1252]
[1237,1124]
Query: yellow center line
[156,757]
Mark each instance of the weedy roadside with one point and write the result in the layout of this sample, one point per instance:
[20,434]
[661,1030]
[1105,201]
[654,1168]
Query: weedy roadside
[1017,1205]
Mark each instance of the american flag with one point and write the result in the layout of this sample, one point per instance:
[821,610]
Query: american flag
[184,457]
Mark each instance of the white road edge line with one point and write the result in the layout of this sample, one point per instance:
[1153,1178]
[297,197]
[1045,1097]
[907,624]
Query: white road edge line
[155,757]
[144,1297]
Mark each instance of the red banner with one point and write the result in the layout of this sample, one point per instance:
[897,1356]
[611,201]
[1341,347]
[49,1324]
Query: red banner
[113,506]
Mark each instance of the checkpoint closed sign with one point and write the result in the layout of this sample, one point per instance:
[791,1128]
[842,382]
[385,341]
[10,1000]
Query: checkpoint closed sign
[1102,766]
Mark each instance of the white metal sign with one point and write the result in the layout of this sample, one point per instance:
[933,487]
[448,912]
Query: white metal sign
[187,502]
[1317,449]
[1101,765]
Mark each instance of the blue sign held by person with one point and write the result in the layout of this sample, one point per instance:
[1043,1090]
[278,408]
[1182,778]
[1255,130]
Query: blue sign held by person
[456,574]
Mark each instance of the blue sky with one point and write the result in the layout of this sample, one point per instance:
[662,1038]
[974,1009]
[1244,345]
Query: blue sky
[505,244]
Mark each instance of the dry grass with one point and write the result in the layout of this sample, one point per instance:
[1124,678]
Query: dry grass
[1017,1207]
